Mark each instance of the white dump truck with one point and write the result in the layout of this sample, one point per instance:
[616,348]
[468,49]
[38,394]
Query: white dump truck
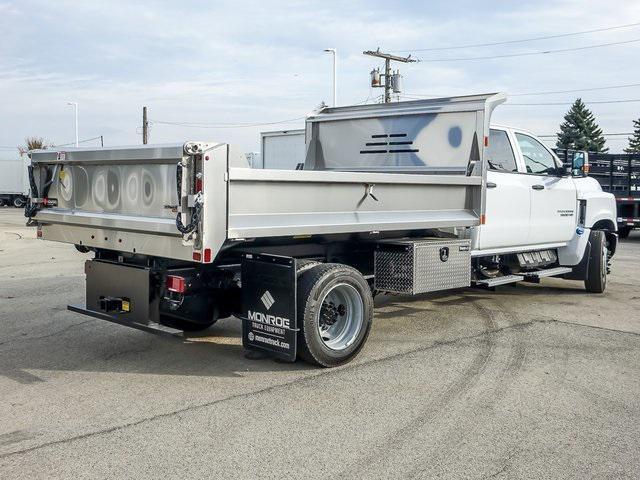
[14,185]
[403,198]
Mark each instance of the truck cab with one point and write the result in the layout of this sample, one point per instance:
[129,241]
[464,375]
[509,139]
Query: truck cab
[534,202]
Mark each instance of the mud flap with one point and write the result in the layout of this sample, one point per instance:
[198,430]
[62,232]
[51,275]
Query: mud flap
[269,305]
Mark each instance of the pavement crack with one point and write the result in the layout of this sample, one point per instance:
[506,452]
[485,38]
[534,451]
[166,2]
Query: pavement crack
[577,324]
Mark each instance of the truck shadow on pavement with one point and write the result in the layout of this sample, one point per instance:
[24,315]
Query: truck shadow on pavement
[66,344]
[96,346]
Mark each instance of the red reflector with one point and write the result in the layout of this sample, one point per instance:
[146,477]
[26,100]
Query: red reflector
[483,220]
[39,234]
[197,256]
[207,255]
[486,141]
[176,284]
[198,184]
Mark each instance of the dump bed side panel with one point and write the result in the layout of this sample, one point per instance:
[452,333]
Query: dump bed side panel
[284,203]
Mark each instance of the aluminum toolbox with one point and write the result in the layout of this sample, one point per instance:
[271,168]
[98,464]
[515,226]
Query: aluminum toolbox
[424,265]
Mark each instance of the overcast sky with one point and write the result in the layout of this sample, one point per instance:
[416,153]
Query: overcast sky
[262,61]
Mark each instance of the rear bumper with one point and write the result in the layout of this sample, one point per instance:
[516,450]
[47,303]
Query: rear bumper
[150,327]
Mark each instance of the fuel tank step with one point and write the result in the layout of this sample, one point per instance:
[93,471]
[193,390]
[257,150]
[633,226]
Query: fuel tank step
[494,282]
[550,272]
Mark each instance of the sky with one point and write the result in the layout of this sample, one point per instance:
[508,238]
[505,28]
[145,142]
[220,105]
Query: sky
[246,62]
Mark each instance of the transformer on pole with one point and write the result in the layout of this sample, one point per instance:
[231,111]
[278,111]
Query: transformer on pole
[392,80]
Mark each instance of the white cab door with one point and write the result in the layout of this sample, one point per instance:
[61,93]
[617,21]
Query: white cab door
[553,198]
[508,201]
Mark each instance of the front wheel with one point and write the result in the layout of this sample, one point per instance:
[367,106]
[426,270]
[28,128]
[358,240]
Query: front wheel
[335,312]
[596,280]
[19,202]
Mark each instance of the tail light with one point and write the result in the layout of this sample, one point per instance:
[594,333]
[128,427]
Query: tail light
[175,283]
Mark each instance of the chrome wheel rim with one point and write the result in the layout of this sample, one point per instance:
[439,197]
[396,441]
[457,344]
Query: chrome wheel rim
[340,316]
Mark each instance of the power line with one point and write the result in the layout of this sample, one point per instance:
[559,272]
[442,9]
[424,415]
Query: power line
[73,143]
[526,54]
[630,100]
[575,90]
[526,94]
[225,125]
[4,147]
[244,125]
[626,100]
[508,42]
[604,134]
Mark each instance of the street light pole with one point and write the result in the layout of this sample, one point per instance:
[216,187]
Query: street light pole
[335,74]
[75,107]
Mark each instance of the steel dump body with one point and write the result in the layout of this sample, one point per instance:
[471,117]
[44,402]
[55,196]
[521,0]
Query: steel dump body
[126,199]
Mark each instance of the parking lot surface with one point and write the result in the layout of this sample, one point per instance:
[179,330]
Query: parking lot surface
[537,381]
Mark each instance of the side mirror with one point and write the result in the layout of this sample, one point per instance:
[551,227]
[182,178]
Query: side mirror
[580,163]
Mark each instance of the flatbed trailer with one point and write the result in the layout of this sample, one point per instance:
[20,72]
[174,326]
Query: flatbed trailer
[186,234]
[619,174]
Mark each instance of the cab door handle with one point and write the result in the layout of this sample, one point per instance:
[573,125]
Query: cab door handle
[538,187]
[491,185]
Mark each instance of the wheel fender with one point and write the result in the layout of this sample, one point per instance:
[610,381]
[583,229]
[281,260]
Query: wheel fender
[573,253]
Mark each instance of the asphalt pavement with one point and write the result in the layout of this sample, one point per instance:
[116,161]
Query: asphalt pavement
[537,381]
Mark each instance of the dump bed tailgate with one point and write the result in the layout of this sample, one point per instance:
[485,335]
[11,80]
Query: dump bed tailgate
[117,198]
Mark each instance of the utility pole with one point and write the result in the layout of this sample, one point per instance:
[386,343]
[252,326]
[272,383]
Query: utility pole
[335,74]
[391,80]
[145,126]
[75,107]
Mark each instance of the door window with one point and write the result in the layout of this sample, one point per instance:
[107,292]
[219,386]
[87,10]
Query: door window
[537,159]
[499,153]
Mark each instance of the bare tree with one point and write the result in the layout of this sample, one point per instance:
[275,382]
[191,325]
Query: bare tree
[32,143]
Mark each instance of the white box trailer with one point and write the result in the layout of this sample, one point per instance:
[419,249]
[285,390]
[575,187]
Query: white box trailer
[283,149]
[14,181]
[186,234]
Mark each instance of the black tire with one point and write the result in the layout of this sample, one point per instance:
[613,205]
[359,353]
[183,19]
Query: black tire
[596,281]
[19,202]
[1,202]
[623,232]
[315,284]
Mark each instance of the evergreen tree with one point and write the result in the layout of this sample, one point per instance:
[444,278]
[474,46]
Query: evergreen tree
[634,141]
[580,131]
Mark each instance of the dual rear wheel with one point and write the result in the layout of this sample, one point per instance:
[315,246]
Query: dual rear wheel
[335,313]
